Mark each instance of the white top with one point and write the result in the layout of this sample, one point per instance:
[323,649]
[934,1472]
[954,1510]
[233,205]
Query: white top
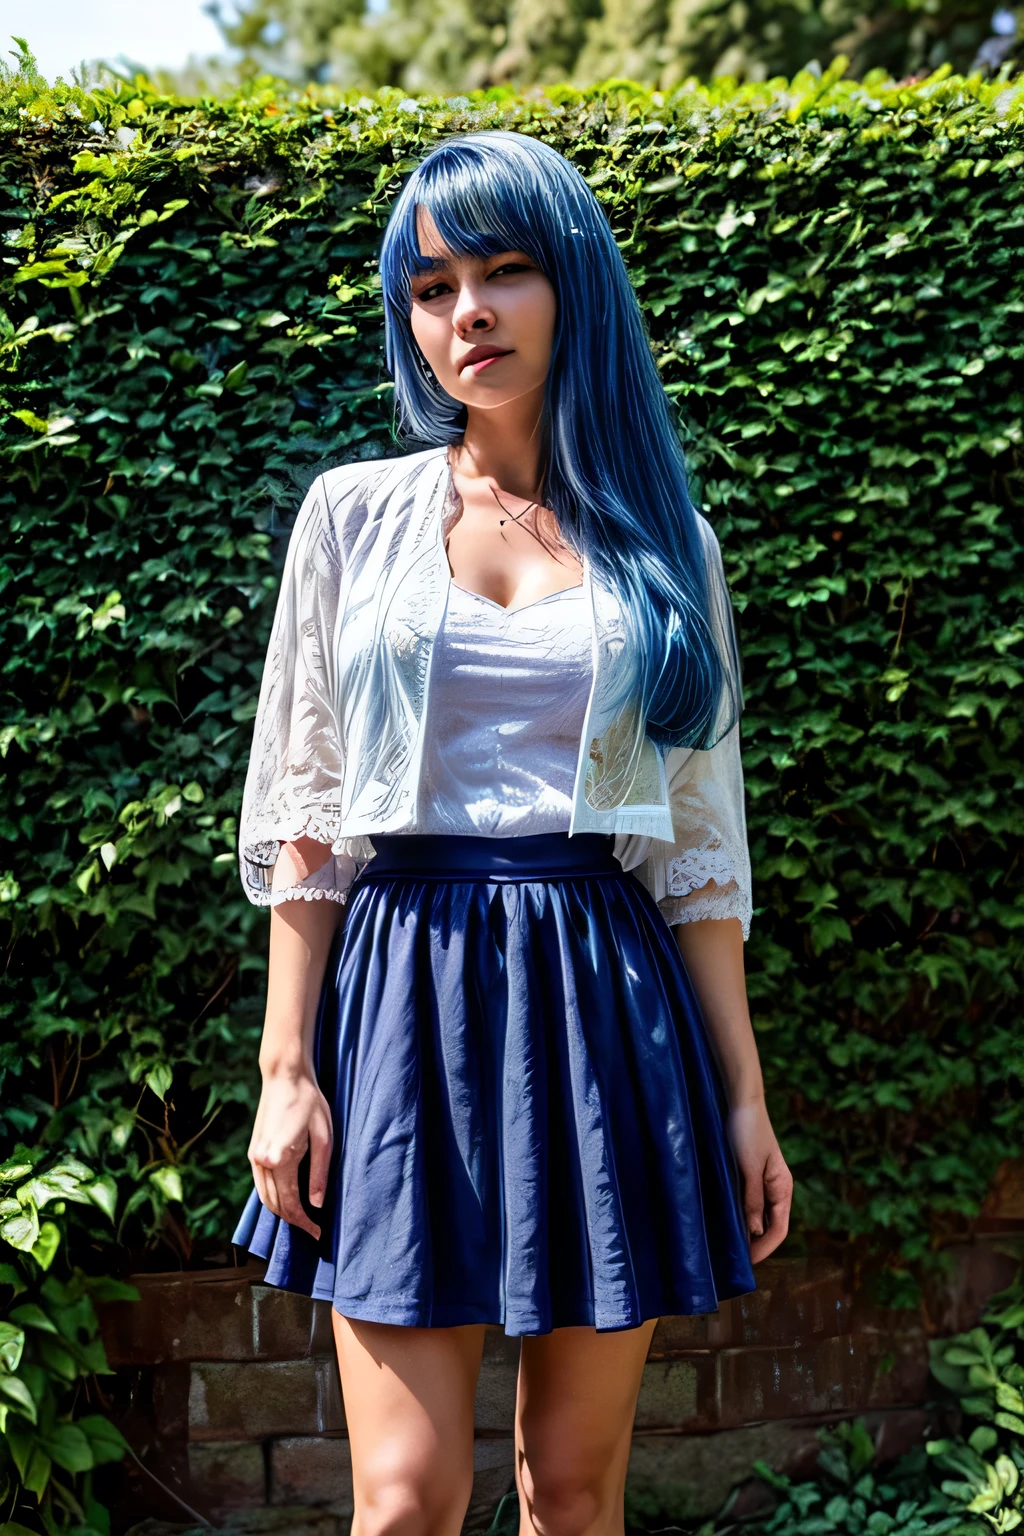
[342,718]
[508,694]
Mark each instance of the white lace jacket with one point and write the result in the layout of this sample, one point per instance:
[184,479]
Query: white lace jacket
[339,724]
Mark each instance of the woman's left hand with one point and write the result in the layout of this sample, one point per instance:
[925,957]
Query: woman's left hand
[767,1181]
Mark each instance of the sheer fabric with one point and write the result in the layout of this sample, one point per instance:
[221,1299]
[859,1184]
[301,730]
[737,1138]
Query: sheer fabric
[710,843]
[343,722]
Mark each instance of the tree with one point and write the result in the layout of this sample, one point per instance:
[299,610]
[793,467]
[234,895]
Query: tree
[447,46]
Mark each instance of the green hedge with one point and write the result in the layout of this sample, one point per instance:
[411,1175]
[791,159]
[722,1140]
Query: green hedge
[834,278]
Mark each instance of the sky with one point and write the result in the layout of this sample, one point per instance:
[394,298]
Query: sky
[153,33]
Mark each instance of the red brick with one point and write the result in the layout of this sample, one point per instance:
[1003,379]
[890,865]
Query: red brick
[680,1335]
[170,1399]
[785,1383]
[899,1430]
[179,1316]
[133,1493]
[227,1477]
[214,1315]
[837,1376]
[1005,1200]
[954,1303]
[258,1400]
[795,1299]
[686,1476]
[670,1393]
[316,1469]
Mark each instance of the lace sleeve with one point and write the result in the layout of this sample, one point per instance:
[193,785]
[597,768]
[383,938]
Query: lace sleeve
[293,781]
[705,872]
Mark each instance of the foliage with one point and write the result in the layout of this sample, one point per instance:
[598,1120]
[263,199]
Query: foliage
[848,1496]
[454,45]
[985,1370]
[50,1349]
[833,280]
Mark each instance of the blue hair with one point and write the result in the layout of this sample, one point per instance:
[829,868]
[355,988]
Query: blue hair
[613,468]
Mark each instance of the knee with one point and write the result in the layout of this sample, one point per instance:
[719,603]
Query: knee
[410,1507]
[562,1503]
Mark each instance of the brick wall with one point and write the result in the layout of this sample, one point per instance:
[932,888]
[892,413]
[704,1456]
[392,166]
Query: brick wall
[237,1403]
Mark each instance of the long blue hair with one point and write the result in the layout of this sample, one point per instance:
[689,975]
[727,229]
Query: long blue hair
[613,469]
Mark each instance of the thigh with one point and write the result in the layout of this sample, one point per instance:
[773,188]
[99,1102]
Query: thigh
[409,1395]
[575,1407]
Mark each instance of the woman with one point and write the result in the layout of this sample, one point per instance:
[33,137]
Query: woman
[499,726]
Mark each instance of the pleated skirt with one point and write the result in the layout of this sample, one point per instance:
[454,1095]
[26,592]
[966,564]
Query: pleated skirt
[529,1126]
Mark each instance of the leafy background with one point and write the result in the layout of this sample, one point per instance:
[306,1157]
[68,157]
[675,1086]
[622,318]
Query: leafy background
[455,45]
[832,273]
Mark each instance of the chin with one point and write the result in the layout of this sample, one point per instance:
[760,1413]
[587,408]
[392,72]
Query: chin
[482,392]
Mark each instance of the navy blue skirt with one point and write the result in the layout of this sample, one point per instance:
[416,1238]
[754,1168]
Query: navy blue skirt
[528,1120]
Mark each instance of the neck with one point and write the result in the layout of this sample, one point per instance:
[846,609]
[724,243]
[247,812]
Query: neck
[504,445]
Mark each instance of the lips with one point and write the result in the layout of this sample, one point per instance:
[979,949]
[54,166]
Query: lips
[479,357]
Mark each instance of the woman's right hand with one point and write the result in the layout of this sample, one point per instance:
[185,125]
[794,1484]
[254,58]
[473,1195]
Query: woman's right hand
[292,1115]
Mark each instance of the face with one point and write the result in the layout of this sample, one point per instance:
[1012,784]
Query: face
[473,305]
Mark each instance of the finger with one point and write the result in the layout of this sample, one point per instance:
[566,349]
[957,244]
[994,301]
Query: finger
[273,1198]
[286,1182]
[259,1178]
[755,1217]
[780,1204]
[778,1224]
[287,1186]
[286,1204]
[761,1247]
[774,1234]
[754,1198]
[321,1140]
[778,1189]
[778,1178]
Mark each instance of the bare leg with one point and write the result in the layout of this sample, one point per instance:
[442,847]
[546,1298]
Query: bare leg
[409,1396]
[574,1423]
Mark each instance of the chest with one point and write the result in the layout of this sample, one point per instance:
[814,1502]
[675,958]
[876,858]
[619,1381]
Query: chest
[385,637]
[400,603]
[504,548]
[517,671]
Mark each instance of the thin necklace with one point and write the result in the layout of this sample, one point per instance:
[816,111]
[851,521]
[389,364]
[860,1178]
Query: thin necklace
[515,516]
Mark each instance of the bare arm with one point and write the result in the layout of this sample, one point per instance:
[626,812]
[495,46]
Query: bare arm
[712,951]
[293,1113]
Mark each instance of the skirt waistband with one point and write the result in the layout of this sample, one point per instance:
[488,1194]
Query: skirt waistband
[452,857]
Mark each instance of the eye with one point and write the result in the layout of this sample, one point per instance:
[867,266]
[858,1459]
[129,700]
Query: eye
[425,295]
[511,266]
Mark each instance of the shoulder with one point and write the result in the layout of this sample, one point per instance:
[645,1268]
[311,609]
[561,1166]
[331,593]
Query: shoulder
[341,501]
[368,477]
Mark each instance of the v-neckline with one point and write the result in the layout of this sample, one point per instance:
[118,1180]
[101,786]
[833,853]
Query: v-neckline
[574,587]
[448,480]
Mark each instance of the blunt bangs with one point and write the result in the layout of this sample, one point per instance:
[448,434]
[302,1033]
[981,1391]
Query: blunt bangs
[486,192]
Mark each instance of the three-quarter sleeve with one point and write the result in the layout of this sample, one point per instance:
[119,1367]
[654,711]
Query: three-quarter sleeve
[293,781]
[705,871]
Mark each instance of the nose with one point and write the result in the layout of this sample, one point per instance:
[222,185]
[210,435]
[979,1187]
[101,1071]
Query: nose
[472,312]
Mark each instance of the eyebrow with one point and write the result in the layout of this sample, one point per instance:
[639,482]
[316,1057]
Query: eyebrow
[442,263]
[434,264]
